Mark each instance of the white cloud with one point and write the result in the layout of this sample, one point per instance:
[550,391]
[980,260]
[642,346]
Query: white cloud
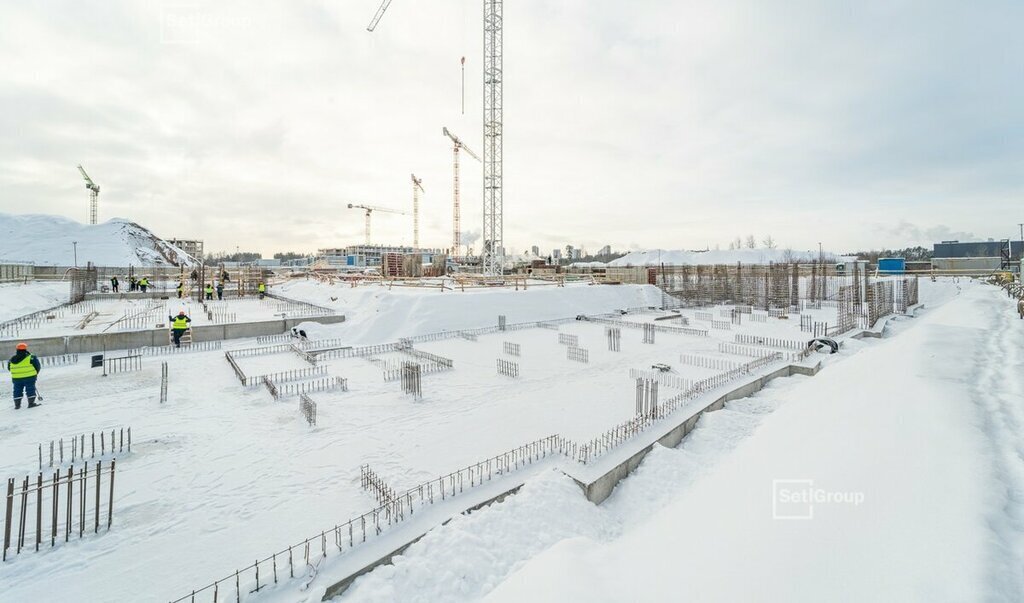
[657,123]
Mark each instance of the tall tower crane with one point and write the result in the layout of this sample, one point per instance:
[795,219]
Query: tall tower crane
[417,188]
[456,219]
[369,210]
[94,191]
[493,233]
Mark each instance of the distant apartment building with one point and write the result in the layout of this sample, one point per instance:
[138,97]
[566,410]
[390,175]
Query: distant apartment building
[190,246]
[370,255]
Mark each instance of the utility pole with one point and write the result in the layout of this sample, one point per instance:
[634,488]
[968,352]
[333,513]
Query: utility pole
[75,244]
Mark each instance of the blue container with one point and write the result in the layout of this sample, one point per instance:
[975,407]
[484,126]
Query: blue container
[350,260]
[892,265]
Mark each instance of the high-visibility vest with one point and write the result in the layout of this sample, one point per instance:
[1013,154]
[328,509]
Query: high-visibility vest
[209,290]
[180,322]
[144,282]
[262,288]
[23,369]
[181,287]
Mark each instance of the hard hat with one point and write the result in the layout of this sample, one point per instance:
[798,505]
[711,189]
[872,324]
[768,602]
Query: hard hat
[22,346]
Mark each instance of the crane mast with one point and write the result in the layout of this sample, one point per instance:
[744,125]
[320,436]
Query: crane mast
[456,208]
[369,209]
[94,192]
[417,188]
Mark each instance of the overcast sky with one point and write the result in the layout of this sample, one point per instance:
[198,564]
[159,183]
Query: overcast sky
[668,123]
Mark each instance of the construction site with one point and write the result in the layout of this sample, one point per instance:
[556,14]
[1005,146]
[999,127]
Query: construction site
[377,396]
[411,395]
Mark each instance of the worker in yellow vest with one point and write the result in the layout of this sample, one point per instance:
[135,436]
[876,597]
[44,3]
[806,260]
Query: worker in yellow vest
[262,289]
[208,290]
[181,289]
[179,324]
[24,369]
[144,283]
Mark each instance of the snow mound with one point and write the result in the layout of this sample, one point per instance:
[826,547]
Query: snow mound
[680,257]
[49,240]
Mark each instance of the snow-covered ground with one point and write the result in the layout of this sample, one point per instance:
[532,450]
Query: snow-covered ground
[221,475]
[49,240]
[911,447]
[19,299]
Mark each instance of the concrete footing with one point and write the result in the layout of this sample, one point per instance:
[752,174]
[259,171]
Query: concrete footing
[95,342]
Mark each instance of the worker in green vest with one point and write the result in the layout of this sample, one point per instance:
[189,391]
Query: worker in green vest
[144,283]
[181,289]
[208,290]
[179,324]
[262,288]
[24,368]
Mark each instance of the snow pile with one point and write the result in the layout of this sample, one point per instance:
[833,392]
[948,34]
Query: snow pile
[375,313]
[679,257]
[49,240]
[17,299]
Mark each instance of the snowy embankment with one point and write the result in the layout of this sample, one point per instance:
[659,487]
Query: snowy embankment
[375,313]
[913,449]
[57,241]
[18,299]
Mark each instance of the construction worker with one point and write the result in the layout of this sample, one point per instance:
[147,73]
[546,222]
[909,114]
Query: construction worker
[181,289]
[179,324]
[208,290]
[262,289]
[220,289]
[132,283]
[113,283]
[24,369]
[144,283]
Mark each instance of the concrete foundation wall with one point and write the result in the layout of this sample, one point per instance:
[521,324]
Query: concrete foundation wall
[97,342]
[601,488]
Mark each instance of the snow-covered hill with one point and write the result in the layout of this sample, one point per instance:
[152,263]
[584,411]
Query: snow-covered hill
[49,240]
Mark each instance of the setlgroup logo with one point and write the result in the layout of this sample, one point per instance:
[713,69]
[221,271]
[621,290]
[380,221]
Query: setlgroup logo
[797,498]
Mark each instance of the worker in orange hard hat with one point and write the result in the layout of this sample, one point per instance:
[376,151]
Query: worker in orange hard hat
[24,369]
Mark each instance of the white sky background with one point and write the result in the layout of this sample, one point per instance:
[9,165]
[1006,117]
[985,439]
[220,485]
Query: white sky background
[672,124]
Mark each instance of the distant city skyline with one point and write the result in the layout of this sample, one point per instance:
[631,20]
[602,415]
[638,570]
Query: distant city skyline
[661,124]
